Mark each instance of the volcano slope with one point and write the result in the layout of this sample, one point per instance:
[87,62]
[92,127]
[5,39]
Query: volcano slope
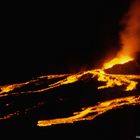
[89,100]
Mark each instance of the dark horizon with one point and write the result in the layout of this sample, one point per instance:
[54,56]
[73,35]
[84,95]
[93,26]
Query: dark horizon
[64,39]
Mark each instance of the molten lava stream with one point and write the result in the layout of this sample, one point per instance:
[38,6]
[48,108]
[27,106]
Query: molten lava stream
[129,39]
[129,82]
[89,113]
[110,80]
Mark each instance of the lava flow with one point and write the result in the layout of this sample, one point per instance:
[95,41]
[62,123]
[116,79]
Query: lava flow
[109,80]
[118,60]
[128,82]
[130,43]
[89,113]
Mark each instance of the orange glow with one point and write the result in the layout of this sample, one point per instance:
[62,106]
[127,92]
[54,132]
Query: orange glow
[117,60]
[109,81]
[89,113]
[130,36]
[125,82]
[130,45]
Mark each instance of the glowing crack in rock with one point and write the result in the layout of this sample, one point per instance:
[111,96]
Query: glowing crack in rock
[89,113]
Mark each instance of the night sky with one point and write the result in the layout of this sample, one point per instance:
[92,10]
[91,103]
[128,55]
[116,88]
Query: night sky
[59,38]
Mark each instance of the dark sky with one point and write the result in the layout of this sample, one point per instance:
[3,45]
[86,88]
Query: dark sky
[59,37]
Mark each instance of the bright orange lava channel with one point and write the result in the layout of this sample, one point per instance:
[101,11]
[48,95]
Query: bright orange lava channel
[92,112]
[117,60]
[126,82]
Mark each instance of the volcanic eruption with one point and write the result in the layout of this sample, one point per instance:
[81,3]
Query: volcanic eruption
[129,37]
[130,45]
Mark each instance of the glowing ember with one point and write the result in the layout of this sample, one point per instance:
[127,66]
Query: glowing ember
[92,112]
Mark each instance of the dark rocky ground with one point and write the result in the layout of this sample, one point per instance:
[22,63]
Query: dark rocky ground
[62,40]
[117,124]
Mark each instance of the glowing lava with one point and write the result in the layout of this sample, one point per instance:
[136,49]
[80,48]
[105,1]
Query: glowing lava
[118,60]
[89,113]
[109,80]
[127,82]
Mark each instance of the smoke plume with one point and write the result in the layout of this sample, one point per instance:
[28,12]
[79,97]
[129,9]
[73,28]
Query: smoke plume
[130,36]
